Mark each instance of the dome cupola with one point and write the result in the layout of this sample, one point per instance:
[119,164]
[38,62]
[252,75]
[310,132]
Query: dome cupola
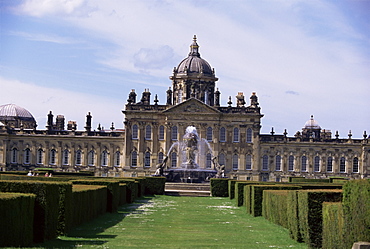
[193,78]
[312,124]
[15,116]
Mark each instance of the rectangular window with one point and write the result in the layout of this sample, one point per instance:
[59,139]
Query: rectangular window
[248,162]
[304,164]
[291,163]
[235,162]
[161,133]
[342,165]
[236,135]
[174,133]
[265,165]
[329,164]
[355,168]
[317,164]
[222,134]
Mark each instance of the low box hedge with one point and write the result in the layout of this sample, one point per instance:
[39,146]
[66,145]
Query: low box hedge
[310,213]
[219,187]
[17,215]
[332,226]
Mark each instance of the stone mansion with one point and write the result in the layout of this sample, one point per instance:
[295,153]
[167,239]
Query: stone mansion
[232,134]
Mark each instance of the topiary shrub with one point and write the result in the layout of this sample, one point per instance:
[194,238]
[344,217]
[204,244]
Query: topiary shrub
[231,188]
[16,229]
[219,187]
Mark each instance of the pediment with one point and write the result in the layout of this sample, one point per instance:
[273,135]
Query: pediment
[192,106]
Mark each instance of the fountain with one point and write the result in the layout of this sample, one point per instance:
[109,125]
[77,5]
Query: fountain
[197,161]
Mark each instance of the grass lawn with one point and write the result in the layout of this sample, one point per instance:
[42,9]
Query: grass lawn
[177,222]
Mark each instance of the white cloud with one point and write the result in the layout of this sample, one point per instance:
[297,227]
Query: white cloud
[74,106]
[266,46]
[45,37]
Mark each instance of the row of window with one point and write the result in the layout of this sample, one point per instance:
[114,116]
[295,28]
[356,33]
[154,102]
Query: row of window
[248,162]
[66,157]
[174,133]
[316,164]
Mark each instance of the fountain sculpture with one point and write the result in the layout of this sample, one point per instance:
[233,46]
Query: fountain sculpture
[196,157]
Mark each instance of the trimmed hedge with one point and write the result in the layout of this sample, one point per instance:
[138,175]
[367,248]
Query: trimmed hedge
[47,205]
[310,213]
[296,179]
[112,191]
[132,188]
[254,195]
[356,210]
[17,219]
[239,190]
[332,226]
[292,214]
[89,201]
[219,187]
[154,185]
[231,188]
[274,206]
[122,194]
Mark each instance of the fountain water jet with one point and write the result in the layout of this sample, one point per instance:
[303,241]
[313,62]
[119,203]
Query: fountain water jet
[192,153]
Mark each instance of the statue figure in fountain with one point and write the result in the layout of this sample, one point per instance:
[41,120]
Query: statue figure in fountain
[160,167]
[191,146]
[220,168]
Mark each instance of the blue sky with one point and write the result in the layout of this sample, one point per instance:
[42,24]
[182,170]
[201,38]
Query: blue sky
[302,58]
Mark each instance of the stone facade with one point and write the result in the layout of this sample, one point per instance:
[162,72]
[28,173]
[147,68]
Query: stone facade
[232,134]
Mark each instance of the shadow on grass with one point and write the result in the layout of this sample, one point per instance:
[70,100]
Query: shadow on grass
[89,233]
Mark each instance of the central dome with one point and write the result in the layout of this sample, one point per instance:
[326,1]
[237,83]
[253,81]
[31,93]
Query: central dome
[194,64]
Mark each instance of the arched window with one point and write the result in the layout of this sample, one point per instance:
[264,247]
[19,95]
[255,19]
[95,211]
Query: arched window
[174,133]
[161,133]
[78,157]
[249,135]
[52,157]
[304,163]
[235,162]
[40,156]
[14,155]
[135,131]
[329,164]
[27,156]
[148,132]
[236,135]
[222,159]
[91,158]
[355,168]
[265,162]
[248,162]
[65,157]
[173,159]
[147,159]
[222,134]
[117,159]
[278,163]
[342,165]
[208,160]
[160,157]
[104,158]
[291,163]
[209,135]
[134,159]
[317,164]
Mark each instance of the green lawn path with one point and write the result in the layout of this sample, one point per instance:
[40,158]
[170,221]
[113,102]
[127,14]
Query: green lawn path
[177,222]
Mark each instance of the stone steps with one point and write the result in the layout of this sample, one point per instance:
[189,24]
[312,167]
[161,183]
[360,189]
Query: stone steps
[187,189]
